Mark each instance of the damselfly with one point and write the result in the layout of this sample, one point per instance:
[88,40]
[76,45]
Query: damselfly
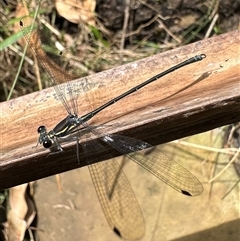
[113,189]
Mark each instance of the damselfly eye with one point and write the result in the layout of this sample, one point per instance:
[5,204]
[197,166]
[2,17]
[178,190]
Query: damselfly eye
[41,129]
[47,143]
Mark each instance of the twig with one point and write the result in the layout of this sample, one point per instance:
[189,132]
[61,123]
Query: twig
[226,167]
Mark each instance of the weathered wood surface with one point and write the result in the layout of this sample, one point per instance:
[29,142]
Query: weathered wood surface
[194,99]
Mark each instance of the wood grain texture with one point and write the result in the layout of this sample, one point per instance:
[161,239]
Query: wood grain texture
[194,99]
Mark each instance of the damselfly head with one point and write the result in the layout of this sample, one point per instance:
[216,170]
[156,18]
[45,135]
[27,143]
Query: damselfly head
[44,138]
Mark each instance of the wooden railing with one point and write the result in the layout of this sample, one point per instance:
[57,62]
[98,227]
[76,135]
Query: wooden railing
[197,98]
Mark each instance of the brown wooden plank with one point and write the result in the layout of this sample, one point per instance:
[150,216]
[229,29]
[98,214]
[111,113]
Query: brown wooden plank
[197,98]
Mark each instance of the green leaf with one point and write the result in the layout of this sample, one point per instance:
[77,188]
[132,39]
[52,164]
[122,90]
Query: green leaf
[10,40]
